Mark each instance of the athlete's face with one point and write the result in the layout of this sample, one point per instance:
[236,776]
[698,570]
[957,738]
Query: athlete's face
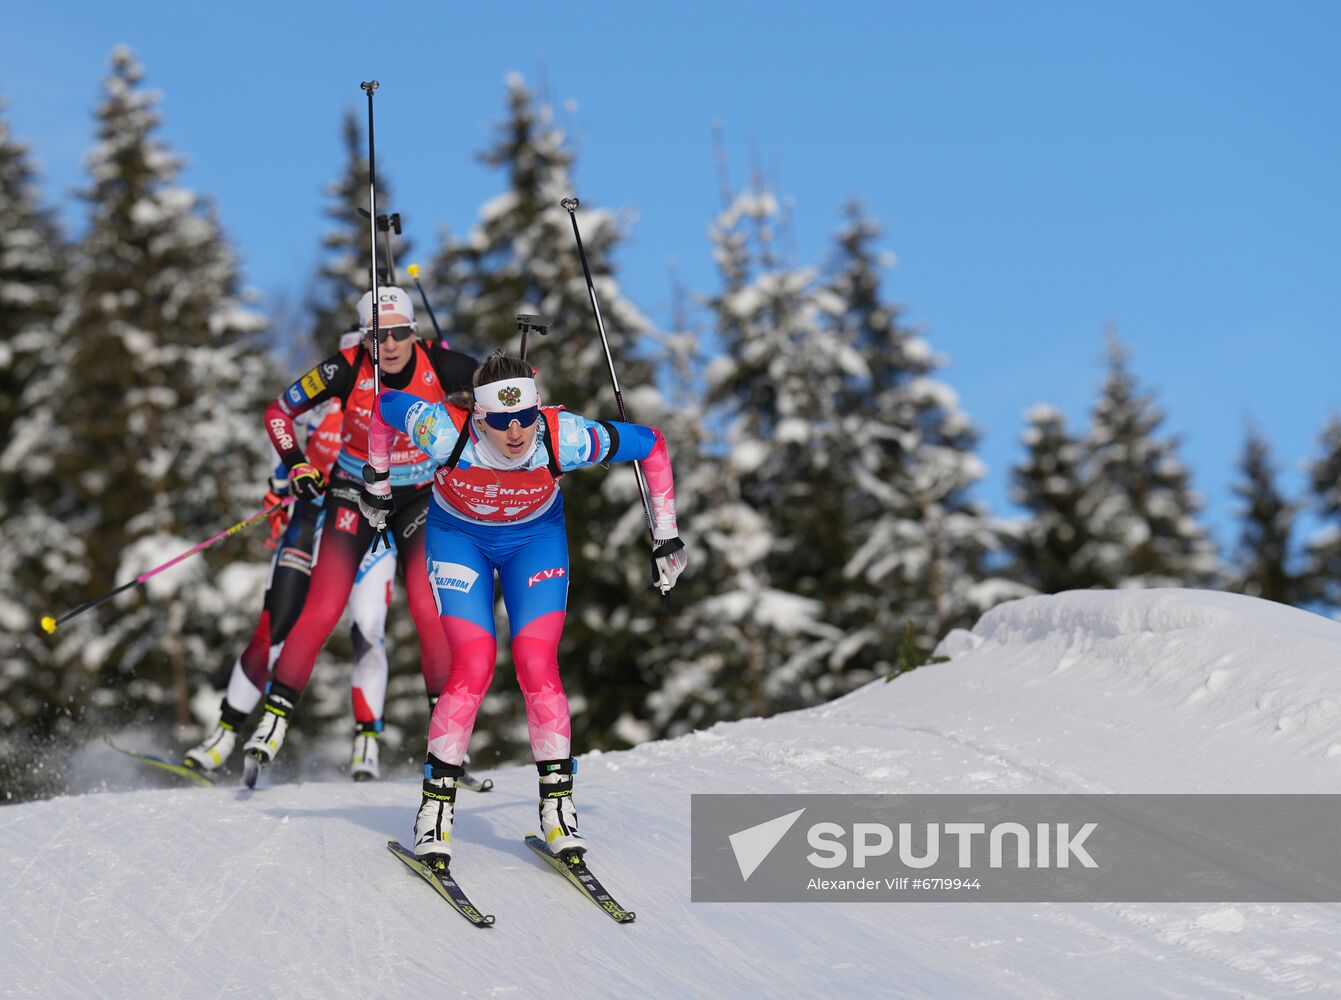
[513,442]
[393,355]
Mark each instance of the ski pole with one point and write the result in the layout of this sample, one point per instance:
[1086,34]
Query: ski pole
[50,624]
[413,272]
[369,87]
[570,205]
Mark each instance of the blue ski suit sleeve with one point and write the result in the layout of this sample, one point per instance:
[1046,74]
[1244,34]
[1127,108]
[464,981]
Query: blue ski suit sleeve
[584,442]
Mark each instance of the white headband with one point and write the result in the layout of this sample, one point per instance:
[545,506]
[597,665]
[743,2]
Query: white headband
[506,396]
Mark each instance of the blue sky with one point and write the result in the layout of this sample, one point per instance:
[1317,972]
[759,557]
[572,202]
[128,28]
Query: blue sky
[1042,170]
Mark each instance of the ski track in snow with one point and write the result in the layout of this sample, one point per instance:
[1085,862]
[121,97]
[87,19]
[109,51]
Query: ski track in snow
[289,890]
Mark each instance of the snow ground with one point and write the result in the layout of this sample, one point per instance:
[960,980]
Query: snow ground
[289,892]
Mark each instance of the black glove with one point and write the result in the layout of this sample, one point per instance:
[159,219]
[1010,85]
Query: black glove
[306,481]
[669,559]
[375,502]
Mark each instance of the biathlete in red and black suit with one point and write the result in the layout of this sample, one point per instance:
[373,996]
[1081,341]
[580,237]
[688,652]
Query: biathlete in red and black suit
[430,372]
[286,591]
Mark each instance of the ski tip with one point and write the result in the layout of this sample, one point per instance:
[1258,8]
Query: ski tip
[180,770]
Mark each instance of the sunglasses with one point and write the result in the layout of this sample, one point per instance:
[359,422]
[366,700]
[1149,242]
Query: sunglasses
[502,421]
[399,332]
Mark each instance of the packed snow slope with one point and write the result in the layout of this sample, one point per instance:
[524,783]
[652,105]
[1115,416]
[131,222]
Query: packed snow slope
[289,891]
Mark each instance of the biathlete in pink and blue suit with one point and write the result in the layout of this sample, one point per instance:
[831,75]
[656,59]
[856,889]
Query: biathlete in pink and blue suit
[497,508]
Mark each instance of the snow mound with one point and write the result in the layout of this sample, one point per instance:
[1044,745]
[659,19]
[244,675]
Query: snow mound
[290,892]
[1180,690]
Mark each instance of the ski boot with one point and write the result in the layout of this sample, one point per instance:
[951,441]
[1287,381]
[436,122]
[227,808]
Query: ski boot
[437,809]
[363,764]
[558,815]
[264,744]
[212,752]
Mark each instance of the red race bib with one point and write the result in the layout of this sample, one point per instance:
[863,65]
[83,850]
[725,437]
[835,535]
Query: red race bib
[497,495]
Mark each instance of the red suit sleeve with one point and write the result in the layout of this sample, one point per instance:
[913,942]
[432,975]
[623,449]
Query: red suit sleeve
[279,425]
[330,379]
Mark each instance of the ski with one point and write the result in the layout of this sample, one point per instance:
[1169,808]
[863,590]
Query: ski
[445,884]
[191,774]
[575,870]
[475,784]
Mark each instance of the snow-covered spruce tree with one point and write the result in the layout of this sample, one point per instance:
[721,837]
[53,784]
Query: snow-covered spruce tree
[1322,570]
[346,257]
[922,565]
[146,429]
[1053,549]
[32,257]
[1262,565]
[753,636]
[1145,510]
[713,662]
[520,257]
